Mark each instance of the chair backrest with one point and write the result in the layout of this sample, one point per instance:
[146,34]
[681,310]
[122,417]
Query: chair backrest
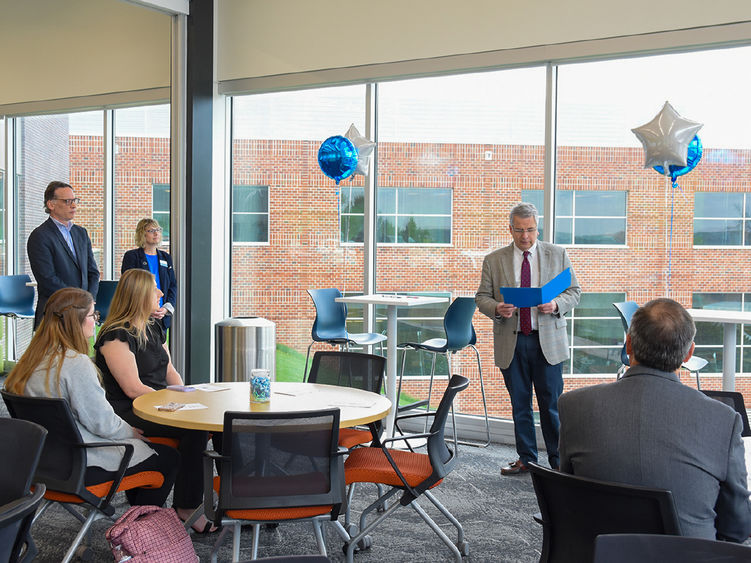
[457,322]
[104,297]
[734,400]
[273,460]
[331,317]
[16,298]
[575,510]
[348,369]
[62,464]
[20,449]
[442,458]
[652,548]
[15,523]
[626,310]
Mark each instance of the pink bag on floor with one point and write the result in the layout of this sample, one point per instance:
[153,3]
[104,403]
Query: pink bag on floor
[150,534]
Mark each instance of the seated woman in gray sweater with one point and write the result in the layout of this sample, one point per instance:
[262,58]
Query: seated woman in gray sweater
[56,364]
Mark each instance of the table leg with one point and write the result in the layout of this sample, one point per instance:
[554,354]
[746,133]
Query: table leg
[391,369]
[728,357]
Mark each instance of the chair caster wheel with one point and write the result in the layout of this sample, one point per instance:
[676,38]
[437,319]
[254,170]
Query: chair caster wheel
[365,543]
[463,548]
[352,530]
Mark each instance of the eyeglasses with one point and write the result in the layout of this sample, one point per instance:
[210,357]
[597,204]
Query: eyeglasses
[154,230]
[70,201]
[96,315]
[522,231]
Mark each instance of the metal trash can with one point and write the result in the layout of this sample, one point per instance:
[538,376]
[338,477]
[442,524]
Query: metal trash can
[243,344]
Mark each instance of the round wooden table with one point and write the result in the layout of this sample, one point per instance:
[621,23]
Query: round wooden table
[356,406]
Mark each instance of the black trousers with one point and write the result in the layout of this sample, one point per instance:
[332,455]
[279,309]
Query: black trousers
[189,480]
[165,462]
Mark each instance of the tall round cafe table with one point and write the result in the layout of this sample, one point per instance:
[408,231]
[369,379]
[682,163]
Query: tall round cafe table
[356,406]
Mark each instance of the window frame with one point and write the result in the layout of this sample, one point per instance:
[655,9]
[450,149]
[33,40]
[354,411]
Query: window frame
[234,214]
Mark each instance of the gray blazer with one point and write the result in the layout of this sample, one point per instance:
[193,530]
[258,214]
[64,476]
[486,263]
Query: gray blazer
[497,272]
[96,420]
[648,429]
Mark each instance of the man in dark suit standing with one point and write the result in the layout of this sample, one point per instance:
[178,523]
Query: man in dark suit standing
[529,344]
[648,429]
[60,252]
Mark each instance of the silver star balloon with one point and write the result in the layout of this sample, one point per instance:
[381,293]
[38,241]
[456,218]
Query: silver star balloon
[666,138]
[364,149]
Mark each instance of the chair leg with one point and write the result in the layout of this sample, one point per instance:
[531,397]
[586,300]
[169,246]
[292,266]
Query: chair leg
[450,517]
[307,356]
[485,407]
[94,515]
[698,385]
[220,540]
[430,389]
[256,536]
[317,530]
[453,413]
[433,526]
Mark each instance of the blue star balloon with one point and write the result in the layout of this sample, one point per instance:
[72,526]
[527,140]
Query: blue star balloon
[337,158]
[692,159]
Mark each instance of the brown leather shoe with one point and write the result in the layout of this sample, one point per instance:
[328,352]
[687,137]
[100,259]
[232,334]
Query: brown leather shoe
[515,468]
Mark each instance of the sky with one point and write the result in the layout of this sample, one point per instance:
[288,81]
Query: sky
[598,105]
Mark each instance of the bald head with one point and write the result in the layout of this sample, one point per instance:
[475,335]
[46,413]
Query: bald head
[661,334]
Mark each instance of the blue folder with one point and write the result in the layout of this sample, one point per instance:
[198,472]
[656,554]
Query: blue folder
[534,296]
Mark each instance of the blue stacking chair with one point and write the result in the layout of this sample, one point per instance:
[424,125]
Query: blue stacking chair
[460,334]
[626,310]
[330,324]
[16,301]
[104,298]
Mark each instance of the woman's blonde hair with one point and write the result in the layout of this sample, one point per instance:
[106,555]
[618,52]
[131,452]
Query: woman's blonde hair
[61,330]
[132,304]
[144,224]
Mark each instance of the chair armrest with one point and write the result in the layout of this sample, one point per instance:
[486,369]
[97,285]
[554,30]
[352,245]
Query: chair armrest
[415,415]
[405,437]
[209,508]
[342,451]
[122,468]
[16,508]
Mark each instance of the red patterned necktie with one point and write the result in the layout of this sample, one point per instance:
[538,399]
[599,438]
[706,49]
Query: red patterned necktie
[525,313]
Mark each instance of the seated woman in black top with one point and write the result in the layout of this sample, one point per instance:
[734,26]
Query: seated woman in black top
[132,356]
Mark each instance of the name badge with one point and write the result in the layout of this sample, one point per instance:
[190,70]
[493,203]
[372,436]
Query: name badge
[163,263]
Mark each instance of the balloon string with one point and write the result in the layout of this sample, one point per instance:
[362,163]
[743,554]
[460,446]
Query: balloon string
[670,247]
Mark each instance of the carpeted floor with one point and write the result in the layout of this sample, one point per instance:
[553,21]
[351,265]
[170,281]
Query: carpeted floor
[496,513]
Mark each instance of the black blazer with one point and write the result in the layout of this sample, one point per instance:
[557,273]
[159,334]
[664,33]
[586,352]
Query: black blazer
[136,258]
[54,265]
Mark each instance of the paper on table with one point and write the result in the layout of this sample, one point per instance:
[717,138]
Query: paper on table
[208,387]
[181,407]
[363,404]
[534,296]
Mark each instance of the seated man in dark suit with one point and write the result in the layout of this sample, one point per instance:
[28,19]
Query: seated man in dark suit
[648,429]
[60,253]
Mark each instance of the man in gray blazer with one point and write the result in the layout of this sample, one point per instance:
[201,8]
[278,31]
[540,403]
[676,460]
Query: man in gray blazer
[60,253]
[648,429]
[530,344]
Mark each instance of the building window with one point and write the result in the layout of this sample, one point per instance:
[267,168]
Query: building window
[709,336]
[250,214]
[160,208]
[597,335]
[405,215]
[585,217]
[722,219]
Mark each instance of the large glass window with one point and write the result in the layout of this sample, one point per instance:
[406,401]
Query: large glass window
[584,217]
[250,213]
[595,335]
[142,174]
[405,215]
[709,336]
[281,199]
[722,219]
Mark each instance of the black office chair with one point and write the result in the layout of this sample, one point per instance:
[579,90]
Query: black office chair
[734,400]
[350,369]
[575,510]
[410,473]
[62,466]
[275,468]
[651,548]
[21,445]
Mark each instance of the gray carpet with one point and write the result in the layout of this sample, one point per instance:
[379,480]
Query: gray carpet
[496,514]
